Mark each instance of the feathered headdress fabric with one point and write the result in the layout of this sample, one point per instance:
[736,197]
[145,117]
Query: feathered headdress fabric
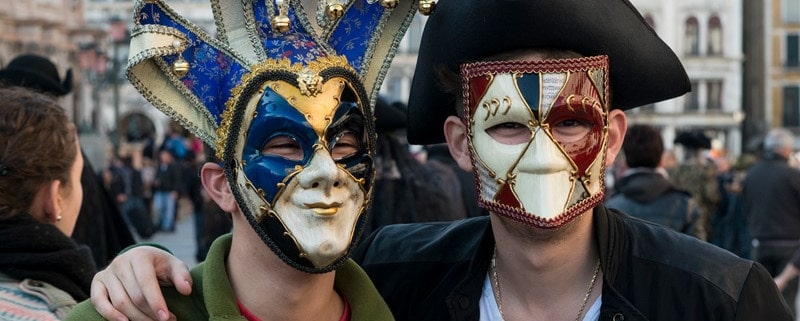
[299,69]
[366,35]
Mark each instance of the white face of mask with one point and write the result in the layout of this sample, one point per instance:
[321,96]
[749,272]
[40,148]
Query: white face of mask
[538,133]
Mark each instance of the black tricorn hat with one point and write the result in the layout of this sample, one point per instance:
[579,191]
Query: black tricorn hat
[388,116]
[643,69]
[694,139]
[36,72]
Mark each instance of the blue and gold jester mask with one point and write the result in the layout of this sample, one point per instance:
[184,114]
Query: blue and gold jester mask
[287,100]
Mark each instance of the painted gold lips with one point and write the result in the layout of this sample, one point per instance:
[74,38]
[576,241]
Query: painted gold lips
[325,209]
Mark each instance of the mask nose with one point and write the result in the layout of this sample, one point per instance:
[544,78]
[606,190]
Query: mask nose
[322,172]
[542,156]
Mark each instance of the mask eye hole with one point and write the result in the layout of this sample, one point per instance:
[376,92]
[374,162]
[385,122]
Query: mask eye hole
[283,146]
[510,133]
[571,130]
[345,145]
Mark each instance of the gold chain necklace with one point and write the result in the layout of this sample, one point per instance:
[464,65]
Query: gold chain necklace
[499,297]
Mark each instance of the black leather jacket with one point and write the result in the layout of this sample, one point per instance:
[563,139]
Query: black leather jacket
[435,271]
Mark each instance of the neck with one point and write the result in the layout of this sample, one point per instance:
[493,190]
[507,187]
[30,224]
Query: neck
[271,289]
[545,273]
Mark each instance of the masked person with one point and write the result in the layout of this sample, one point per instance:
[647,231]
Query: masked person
[531,97]
[291,119]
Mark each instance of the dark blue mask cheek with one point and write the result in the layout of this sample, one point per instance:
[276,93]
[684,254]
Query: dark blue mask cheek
[274,117]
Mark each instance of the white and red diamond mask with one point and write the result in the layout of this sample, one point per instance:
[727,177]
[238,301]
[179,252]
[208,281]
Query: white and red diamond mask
[537,135]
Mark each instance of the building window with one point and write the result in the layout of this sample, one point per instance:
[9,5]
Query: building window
[791,106]
[692,100]
[791,11]
[692,37]
[793,50]
[714,36]
[714,92]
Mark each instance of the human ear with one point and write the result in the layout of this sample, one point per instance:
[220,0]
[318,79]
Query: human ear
[617,126]
[455,132]
[51,202]
[217,187]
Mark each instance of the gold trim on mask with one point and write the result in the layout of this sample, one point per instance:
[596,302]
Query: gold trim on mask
[313,107]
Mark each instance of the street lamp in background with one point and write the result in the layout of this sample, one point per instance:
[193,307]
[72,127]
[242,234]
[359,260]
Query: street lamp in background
[118,34]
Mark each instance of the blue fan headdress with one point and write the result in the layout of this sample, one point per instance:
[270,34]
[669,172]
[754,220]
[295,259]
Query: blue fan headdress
[296,55]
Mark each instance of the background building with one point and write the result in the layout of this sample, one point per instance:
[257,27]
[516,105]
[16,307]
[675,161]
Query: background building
[706,36]
[771,93]
[742,56]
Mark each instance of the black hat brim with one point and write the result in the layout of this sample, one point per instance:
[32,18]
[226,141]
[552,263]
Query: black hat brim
[389,117]
[33,80]
[643,69]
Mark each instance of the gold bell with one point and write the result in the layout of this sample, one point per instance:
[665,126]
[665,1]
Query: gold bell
[334,10]
[389,4]
[280,23]
[180,67]
[427,7]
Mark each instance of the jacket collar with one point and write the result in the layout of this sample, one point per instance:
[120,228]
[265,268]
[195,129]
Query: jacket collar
[610,233]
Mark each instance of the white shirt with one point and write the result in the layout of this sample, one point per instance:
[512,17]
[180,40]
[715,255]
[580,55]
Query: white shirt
[490,311]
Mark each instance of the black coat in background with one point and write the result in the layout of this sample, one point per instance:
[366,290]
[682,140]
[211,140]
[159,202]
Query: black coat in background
[100,225]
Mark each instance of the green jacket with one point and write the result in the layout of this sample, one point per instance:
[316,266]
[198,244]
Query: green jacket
[212,296]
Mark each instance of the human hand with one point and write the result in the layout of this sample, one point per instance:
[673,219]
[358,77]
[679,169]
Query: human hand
[129,288]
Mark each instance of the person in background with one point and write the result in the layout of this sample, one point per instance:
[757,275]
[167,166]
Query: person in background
[697,175]
[407,190]
[533,116]
[771,201]
[439,154]
[643,191]
[294,147]
[166,190]
[100,225]
[128,189]
[42,271]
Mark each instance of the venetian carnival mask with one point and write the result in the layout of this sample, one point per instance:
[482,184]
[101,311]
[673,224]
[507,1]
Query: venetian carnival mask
[537,135]
[285,94]
[305,158]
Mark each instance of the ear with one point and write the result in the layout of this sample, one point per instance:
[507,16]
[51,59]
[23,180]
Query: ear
[455,132]
[51,202]
[617,126]
[217,187]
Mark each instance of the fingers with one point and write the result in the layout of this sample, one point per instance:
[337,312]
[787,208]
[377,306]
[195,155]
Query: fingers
[105,289]
[129,289]
[102,303]
[180,276]
[145,290]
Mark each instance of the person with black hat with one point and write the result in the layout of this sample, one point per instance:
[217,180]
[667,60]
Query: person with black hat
[531,96]
[406,189]
[100,224]
[539,90]
[285,96]
[697,174]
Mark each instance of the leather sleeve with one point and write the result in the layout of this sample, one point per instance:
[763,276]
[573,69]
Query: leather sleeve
[760,298]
